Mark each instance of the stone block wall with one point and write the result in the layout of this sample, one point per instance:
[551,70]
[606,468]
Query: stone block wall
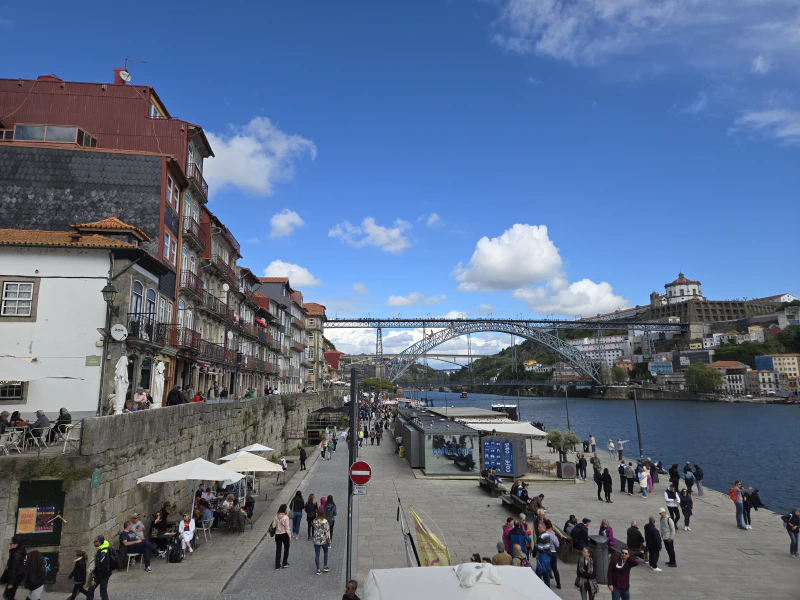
[129,446]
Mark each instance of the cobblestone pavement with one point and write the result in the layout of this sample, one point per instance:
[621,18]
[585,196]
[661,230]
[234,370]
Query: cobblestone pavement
[715,560]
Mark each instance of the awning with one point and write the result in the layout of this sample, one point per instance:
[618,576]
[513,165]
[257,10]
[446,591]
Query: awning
[261,323]
[506,426]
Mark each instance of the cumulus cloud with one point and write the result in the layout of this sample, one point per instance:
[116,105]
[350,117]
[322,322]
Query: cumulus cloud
[360,288]
[776,123]
[415,298]
[388,239]
[433,220]
[298,276]
[762,65]
[584,297]
[484,309]
[254,157]
[284,223]
[522,255]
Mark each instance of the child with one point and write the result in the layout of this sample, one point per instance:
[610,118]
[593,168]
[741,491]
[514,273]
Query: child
[78,574]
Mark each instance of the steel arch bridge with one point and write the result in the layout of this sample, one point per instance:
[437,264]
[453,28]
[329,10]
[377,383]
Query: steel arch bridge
[398,365]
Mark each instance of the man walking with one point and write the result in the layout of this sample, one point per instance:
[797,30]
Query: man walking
[303,457]
[792,521]
[582,466]
[630,476]
[619,575]
[620,446]
[668,536]
[652,540]
[102,569]
[736,494]
[622,479]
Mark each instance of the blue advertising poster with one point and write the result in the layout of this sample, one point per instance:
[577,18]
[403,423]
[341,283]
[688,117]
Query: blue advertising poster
[492,455]
[508,459]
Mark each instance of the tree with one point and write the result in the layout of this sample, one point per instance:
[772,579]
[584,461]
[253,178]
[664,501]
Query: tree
[706,379]
[606,375]
[374,385]
[640,371]
[562,441]
[620,374]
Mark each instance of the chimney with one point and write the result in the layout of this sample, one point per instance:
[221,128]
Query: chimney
[117,79]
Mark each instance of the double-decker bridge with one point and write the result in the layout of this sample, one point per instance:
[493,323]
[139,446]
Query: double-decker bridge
[437,331]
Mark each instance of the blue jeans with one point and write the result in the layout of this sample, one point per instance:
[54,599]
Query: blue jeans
[739,513]
[611,455]
[298,518]
[644,491]
[594,447]
[316,554]
[793,546]
[619,594]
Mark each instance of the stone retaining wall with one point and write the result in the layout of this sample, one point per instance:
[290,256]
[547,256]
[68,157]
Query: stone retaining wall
[126,447]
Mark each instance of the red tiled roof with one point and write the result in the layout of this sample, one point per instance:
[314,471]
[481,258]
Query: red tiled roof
[61,239]
[681,280]
[312,308]
[273,279]
[112,224]
[728,364]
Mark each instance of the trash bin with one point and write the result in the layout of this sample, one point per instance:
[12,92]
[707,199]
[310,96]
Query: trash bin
[598,546]
[585,445]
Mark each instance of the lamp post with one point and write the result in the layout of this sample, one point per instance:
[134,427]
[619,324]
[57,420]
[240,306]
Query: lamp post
[109,293]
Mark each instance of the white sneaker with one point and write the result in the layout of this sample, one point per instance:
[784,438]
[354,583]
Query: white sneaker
[191,549]
[688,529]
[657,570]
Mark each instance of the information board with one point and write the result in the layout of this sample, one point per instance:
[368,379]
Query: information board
[498,455]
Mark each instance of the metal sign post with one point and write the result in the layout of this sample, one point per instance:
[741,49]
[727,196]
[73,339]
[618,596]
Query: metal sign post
[353,451]
[638,427]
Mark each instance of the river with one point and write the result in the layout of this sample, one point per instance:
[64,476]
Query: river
[755,443]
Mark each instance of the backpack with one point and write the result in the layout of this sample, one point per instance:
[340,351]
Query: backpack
[113,559]
[732,494]
[542,564]
[688,476]
[175,554]
[525,563]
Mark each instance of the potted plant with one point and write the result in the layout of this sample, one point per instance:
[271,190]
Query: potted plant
[563,442]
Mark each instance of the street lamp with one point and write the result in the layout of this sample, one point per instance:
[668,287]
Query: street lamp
[109,293]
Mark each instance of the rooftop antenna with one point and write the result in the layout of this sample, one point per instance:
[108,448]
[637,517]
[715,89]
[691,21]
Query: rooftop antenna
[125,74]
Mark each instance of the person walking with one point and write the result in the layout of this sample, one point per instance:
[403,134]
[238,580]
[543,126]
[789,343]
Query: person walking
[652,541]
[611,450]
[630,476]
[102,569]
[608,484]
[582,466]
[330,514]
[698,479]
[619,575]
[620,447]
[311,513]
[372,437]
[688,476]
[323,448]
[593,443]
[736,493]
[360,438]
[303,457]
[586,579]
[322,539]
[283,538]
[792,523]
[668,536]
[674,477]
[673,500]
[686,508]
[78,574]
[598,479]
[14,574]
[331,449]
[643,473]
[34,575]
[622,479]
[650,475]
[298,505]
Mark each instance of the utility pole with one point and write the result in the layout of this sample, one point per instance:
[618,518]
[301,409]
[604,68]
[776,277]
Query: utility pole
[638,427]
[353,452]
[566,399]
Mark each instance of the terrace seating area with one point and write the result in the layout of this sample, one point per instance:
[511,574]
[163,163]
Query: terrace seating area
[18,436]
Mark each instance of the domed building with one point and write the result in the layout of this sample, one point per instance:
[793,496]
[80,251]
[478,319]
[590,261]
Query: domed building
[682,290]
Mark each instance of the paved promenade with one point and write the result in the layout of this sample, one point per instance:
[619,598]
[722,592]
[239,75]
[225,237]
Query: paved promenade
[716,561]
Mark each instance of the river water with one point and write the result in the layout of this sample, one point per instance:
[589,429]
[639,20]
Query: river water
[759,444]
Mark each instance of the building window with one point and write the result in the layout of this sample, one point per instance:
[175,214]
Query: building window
[151,302]
[162,310]
[169,190]
[310,336]
[311,322]
[17,299]
[176,197]
[170,248]
[137,298]
[12,390]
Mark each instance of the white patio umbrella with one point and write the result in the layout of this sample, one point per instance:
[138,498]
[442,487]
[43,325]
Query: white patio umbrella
[16,369]
[252,463]
[256,448]
[234,455]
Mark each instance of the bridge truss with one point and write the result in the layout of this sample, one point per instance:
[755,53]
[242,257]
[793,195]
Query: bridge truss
[541,331]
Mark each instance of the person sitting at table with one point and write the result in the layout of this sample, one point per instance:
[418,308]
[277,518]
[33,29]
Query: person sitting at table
[228,502]
[16,420]
[209,496]
[206,515]
[64,419]
[199,493]
[39,425]
[249,505]
[137,545]
[4,423]
[186,531]
[129,407]
[140,399]
[160,522]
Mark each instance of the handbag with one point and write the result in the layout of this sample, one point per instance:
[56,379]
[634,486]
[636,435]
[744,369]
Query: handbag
[291,513]
[272,528]
[593,587]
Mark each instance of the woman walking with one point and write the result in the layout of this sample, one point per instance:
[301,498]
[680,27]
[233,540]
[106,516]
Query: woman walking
[78,575]
[311,513]
[650,476]
[644,473]
[611,450]
[698,479]
[608,484]
[14,575]
[598,479]
[322,539]
[686,508]
[34,575]
[298,505]
[688,476]
[585,581]
[282,537]
[673,499]
[330,514]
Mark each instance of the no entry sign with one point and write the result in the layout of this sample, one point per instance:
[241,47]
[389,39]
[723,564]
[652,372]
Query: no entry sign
[360,472]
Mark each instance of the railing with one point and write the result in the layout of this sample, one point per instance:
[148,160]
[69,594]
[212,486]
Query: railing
[284,350]
[195,230]
[283,373]
[212,351]
[183,337]
[268,367]
[230,355]
[228,314]
[250,296]
[225,268]
[143,326]
[262,336]
[191,282]
[298,323]
[196,177]
[250,329]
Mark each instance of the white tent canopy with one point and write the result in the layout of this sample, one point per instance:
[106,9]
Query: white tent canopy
[252,463]
[234,455]
[507,426]
[197,469]
[256,448]
[435,583]
[17,369]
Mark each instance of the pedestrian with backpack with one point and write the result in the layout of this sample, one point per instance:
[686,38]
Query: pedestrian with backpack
[322,539]
[688,476]
[106,560]
[520,558]
[34,575]
[668,530]
[14,575]
[736,493]
[541,553]
[330,515]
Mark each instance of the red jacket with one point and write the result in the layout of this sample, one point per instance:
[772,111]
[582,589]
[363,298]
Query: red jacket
[619,572]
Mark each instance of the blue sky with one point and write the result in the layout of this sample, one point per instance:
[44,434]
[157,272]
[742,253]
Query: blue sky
[598,146]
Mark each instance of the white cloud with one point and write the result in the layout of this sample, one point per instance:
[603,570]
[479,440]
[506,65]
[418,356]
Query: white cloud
[415,298]
[762,65]
[698,105]
[776,123]
[558,296]
[298,276]
[388,239]
[522,255]
[254,157]
[284,223]
[534,81]
[360,288]
[253,240]
[485,309]
[433,220]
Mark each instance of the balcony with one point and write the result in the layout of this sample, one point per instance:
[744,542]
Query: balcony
[268,367]
[285,350]
[192,285]
[194,233]
[144,327]
[183,337]
[251,362]
[229,314]
[196,179]
[213,305]
[225,270]
[250,296]
[283,373]
[299,324]
[212,351]
[263,336]
[250,330]
[230,355]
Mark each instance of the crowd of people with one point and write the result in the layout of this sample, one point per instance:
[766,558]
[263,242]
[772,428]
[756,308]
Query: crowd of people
[42,425]
[320,520]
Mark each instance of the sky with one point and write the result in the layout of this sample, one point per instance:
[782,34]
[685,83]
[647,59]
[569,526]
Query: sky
[475,157]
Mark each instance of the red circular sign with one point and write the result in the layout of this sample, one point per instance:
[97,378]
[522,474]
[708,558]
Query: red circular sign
[360,472]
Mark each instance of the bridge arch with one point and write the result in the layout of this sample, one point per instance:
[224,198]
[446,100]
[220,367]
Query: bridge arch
[398,365]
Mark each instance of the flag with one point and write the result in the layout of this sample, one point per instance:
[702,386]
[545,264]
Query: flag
[408,541]
[432,552]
